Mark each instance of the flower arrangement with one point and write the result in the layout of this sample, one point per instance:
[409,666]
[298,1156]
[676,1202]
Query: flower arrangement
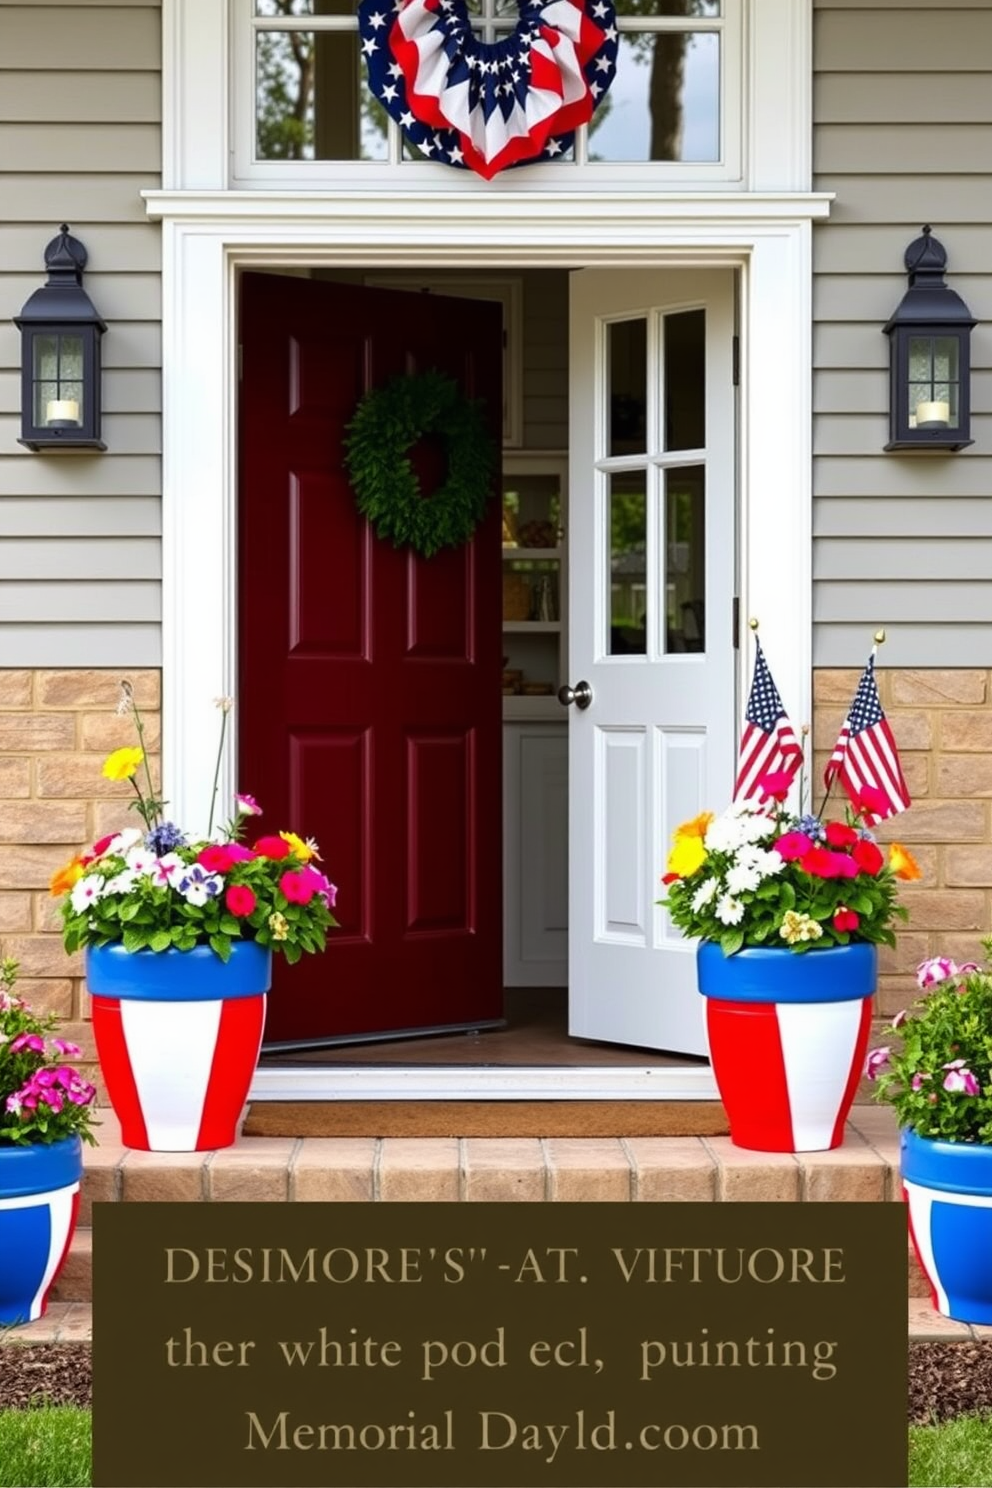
[759,876]
[155,889]
[42,1098]
[940,1084]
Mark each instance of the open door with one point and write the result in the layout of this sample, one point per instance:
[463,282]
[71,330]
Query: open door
[652,543]
[369,703]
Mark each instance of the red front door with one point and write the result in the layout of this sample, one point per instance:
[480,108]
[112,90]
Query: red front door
[369,704]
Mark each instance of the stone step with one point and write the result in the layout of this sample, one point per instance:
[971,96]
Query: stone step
[660,1169]
[72,1322]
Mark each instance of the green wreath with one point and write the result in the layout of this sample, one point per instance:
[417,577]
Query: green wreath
[387,423]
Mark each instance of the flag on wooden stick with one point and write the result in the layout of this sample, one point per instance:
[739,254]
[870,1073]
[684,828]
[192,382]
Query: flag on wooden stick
[865,757]
[769,743]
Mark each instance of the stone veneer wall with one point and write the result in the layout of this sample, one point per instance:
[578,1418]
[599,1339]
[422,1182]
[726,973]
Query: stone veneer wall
[942,723]
[56,729]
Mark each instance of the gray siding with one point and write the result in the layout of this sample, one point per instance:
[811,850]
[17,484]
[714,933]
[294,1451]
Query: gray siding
[80,138]
[903,136]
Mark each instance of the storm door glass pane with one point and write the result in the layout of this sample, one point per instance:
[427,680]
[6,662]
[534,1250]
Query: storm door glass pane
[628,515]
[312,101]
[664,103]
[685,558]
[934,381]
[708,9]
[627,359]
[287,8]
[685,380]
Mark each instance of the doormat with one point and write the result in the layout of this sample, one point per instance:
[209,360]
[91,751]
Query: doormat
[504,1118]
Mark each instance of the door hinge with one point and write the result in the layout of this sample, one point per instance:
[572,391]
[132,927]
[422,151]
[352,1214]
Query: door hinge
[735,623]
[737,360]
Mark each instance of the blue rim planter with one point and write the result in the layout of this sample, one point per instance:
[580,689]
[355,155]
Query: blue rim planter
[178,1035]
[948,1186]
[788,1035]
[39,1201]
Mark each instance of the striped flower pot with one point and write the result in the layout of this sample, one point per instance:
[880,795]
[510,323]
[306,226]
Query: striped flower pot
[178,1035]
[39,1201]
[948,1186]
[788,1035]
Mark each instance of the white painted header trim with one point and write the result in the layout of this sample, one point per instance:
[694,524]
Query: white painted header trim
[480,1082]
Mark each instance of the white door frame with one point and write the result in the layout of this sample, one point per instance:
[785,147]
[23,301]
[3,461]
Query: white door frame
[208,235]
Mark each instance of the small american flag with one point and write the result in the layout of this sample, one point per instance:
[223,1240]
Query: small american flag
[866,755]
[769,741]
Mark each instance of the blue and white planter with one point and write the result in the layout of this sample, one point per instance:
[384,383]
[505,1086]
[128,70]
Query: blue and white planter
[948,1186]
[178,1035]
[788,1035]
[39,1202]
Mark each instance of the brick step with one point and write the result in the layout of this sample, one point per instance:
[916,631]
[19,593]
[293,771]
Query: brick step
[72,1322]
[652,1169]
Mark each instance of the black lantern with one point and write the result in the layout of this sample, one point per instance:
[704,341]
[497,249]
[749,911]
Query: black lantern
[60,355]
[930,357]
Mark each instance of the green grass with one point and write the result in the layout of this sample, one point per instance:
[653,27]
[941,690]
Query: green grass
[955,1455]
[46,1447]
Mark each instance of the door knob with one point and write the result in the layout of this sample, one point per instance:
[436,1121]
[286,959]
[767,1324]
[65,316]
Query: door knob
[580,695]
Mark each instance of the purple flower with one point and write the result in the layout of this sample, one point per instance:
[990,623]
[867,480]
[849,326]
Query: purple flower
[811,827]
[876,1062]
[28,1041]
[198,886]
[164,838]
[919,1079]
[936,969]
[899,1019]
[72,1051]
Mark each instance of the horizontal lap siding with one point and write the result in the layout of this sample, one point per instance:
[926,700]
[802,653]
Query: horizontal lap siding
[903,136]
[80,139]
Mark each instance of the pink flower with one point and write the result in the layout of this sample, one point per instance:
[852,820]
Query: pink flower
[877,1061]
[960,1078]
[298,888]
[936,969]
[272,847]
[238,853]
[240,900]
[793,845]
[839,834]
[899,1019]
[72,1051]
[919,1080]
[216,858]
[775,784]
[28,1041]
[845,919]
[247,805]
[819,862]
[844,866]
[872,801]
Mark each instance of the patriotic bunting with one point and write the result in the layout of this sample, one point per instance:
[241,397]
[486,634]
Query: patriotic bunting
[483,106]
[865,755]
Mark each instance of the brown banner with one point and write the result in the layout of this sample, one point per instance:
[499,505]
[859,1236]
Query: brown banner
[501,1345]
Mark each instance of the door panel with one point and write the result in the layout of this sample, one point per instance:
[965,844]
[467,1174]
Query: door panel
[651,586]
[369,707]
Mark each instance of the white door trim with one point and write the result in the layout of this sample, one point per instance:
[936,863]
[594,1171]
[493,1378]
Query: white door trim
[207,236]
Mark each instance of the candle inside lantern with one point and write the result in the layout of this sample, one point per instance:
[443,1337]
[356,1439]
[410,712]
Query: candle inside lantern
[933,415]
[62,413]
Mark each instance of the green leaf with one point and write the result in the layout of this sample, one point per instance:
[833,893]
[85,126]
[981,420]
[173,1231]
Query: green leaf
[222,946]
[731,941]
[160,941]
[128,910]
[135,939]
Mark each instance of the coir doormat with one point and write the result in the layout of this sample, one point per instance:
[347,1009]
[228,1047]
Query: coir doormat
[654,1118]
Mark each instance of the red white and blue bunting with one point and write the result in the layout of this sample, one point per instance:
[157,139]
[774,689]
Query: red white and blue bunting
[480,105]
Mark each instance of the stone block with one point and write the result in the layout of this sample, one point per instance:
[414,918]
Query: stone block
[81,777]
[15,777]
[15,689]
[48,995]
[29,733]
[946,909]
[938,821]
[43,821]
[43,956]
[910,950]
[672,1170]
[423,1171]
[503,1169]
[105,732]
[966,730]
[334,1170]
[15,912]
[834,686]
[938,688]
[963,775]
[83,688]
[27,867]
[971,865]
[587,1170]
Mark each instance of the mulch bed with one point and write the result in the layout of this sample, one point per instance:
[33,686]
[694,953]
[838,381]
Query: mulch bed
[945,1379]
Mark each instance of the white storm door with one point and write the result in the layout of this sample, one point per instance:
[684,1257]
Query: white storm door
[652,566]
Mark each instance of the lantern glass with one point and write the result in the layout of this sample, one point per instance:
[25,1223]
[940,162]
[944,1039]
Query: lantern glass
[58,381]
[934,382]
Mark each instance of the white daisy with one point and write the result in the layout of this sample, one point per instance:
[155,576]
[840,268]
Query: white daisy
[741,879]
[704,895]
[730,911]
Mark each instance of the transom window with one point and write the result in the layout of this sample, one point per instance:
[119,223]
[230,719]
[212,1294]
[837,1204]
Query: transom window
[305,111]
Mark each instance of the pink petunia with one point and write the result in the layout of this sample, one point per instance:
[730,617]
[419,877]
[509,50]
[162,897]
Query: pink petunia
[960,1079]
[28,1041]
[247,805]
[297,887]
[793,845]
[238,853]
[215,857]
[240,900]
[919,1080]
[775,785]
[876,1062]
[935,969]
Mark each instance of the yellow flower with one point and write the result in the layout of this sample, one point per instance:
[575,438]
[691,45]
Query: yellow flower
[902,862]
[64,879]
[696,827]
[122,764]
[300,849]
[796,926]
[686,856]
[279,926]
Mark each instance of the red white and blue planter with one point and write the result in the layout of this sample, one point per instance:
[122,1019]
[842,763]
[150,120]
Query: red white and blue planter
[948,1186]
[178,1035]
[788,1035]
[39,1201]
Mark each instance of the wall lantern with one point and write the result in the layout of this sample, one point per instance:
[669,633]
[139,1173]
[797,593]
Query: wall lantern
[60,355]
[930,357]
